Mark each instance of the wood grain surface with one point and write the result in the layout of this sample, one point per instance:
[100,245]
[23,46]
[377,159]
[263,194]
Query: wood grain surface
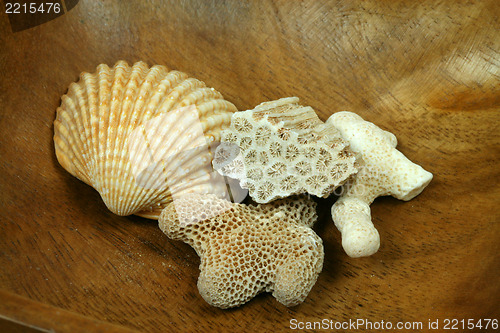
[427,71]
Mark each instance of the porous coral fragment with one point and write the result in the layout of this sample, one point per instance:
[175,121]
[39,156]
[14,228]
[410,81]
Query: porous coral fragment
[245,250]
[287,142]
[383,171]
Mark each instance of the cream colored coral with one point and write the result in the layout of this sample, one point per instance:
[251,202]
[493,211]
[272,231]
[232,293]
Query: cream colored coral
[383,171]
[245,250]
[281,148]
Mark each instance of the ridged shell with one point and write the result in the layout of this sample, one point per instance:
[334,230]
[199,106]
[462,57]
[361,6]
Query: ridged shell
[139,135]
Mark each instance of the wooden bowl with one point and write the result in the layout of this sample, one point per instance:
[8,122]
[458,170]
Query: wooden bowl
[426,71]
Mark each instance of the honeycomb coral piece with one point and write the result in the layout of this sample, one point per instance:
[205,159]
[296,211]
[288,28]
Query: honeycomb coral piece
[383,171]
[245,250]
[280,149]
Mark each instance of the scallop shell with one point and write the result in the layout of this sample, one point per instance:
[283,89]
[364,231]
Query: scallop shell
[141,135]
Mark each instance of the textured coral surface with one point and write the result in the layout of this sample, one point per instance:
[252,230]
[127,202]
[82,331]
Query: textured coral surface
[384,170]
[246,250]
[281,148]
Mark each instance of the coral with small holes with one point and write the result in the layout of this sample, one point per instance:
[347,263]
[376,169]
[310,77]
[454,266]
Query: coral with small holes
[245,249]
[280,149]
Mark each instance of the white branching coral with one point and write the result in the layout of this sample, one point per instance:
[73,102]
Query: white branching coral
[281,148]
[383,171]
[245,250]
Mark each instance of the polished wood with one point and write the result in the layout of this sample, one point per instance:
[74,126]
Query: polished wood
[20,314]
[427,71]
